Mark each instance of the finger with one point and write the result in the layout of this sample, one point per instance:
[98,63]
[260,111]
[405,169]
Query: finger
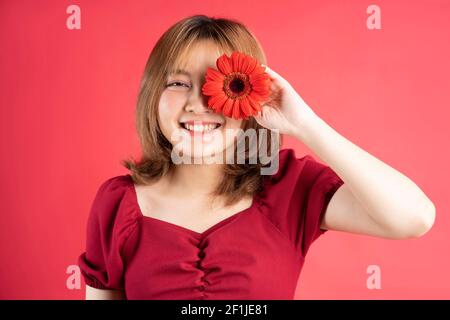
[272,73]
[266,109]
[259,114]
[258,117]
[269,71]
[262,113]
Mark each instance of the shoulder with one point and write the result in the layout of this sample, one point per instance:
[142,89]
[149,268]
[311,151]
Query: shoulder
[290,166]
[111,220]
[296,176]
[115,184]
[111,208]
[296,196]
[112,190]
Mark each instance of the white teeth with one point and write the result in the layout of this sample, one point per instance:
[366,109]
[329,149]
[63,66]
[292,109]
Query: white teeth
[200,127]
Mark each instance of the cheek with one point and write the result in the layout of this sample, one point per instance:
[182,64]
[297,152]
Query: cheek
[168,110]
[164,107]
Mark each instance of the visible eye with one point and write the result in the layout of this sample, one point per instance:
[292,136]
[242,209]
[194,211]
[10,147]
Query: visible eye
[177,84]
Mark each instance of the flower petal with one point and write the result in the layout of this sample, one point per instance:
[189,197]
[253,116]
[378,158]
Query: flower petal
[245,107]
[224,64]
[217,102]
[255,96]
[211,88]
[259,77]
[264,84]
[244,64]
[227,108]
[258,70]
[254,104]
[213,74]
[251,65]
[262,93]
[236,110]
[241,59]
[235,61]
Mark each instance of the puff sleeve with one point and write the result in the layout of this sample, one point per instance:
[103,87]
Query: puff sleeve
[298,197]
[102,264]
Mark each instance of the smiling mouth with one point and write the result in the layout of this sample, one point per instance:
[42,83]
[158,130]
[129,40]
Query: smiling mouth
[199,127]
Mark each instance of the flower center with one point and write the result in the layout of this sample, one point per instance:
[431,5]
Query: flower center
[236,85]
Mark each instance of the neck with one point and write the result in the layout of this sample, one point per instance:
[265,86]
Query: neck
[198,179]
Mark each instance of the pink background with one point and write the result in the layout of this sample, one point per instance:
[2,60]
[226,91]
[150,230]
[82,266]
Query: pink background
[67,119]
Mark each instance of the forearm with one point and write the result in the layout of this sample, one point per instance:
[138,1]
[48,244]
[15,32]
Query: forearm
[391,199]
[103,294]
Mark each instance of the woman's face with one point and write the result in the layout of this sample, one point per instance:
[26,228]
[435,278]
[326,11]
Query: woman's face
[184,118]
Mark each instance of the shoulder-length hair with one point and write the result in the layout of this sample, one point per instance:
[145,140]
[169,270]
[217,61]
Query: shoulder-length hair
[238,180]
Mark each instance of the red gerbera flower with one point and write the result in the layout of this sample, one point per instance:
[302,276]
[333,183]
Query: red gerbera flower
[238,87]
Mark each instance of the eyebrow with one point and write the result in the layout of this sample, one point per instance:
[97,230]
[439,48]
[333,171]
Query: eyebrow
[179,71]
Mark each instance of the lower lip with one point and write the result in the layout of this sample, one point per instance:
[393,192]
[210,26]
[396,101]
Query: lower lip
[200,133]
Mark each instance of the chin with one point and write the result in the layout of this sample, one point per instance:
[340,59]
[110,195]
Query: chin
[196,152]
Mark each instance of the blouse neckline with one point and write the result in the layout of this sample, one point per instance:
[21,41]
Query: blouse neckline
[217,226]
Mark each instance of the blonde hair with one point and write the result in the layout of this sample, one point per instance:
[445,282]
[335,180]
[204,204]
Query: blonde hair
[239,179]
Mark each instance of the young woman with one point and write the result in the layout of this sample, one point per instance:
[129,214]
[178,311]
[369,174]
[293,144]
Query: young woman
[224,230]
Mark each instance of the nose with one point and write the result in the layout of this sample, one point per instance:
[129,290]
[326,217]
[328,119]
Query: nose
[198,103]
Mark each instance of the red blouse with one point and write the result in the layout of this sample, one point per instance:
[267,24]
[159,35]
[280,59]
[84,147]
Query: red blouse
[257,253]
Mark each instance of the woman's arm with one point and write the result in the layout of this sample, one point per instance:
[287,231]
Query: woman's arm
[376,199]
[103,294]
